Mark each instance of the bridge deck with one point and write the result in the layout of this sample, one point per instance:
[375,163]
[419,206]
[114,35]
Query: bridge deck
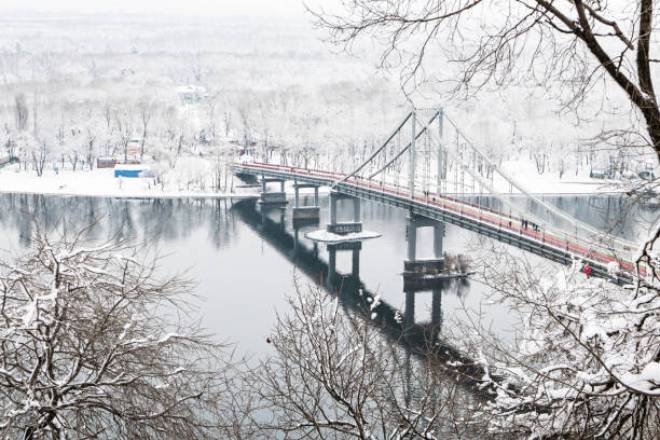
[551,244]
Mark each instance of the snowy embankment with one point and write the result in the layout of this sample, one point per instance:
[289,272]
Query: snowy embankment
[525,174]
[101,183]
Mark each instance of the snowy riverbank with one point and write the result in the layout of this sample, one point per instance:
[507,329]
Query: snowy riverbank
[101,183]
[525,174]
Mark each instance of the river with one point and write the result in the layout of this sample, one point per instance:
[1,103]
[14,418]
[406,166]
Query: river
[244,271]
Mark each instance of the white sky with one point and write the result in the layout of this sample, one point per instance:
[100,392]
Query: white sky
[189,7]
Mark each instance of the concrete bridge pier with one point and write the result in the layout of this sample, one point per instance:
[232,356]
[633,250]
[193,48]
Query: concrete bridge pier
[343,228]
[272,197]
[306,213]
[413,266]
[350,246]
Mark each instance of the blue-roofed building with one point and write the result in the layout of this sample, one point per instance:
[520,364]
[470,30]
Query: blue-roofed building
[128,170]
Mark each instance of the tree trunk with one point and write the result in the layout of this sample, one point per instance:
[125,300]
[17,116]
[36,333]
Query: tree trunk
[652,117]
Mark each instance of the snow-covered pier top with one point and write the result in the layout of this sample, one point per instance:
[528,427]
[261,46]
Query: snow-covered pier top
[327,237]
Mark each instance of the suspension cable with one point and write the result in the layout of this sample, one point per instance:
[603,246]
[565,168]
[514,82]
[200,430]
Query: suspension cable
[403,150]
[512,182]
[375,153]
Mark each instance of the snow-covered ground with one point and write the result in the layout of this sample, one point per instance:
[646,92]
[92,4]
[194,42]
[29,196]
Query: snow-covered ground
[99,183]
[525,174]
[102,183]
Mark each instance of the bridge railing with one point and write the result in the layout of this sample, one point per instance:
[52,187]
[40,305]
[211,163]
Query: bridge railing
[548,236]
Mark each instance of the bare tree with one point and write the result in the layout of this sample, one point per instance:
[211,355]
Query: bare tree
[334,375]
[89,348]
[39,156]
[227,122]
[9,141]
[576,43]
[21,112]
[146,110]
[124,129]
[90,139]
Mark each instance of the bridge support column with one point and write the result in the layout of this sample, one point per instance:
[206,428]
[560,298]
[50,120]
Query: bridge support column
[414,267]
[343,228]
[272,197]
[310,214]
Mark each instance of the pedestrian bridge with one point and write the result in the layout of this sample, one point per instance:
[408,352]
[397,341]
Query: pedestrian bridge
[398,173]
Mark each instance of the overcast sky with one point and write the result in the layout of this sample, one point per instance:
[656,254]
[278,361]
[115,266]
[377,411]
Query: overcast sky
[190,7]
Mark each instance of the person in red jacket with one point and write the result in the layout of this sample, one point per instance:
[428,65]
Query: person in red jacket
[586,269]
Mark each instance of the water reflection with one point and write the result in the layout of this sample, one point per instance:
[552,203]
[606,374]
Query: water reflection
[423,339]
[153,220]
[243,258]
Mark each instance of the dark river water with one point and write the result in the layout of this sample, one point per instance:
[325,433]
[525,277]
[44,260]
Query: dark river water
[244,261]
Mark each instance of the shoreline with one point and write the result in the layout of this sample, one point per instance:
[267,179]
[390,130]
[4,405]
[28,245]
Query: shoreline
[253,195]
[101,183]
[137,195]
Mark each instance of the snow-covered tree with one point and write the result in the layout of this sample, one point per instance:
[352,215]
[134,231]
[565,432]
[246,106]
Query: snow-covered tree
[586,362]
[88,348]
[571,47]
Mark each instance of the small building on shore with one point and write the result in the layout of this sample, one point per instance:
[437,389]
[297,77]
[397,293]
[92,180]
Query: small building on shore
[132,170]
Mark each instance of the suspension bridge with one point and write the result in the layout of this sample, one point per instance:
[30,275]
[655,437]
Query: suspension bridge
[430,167]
